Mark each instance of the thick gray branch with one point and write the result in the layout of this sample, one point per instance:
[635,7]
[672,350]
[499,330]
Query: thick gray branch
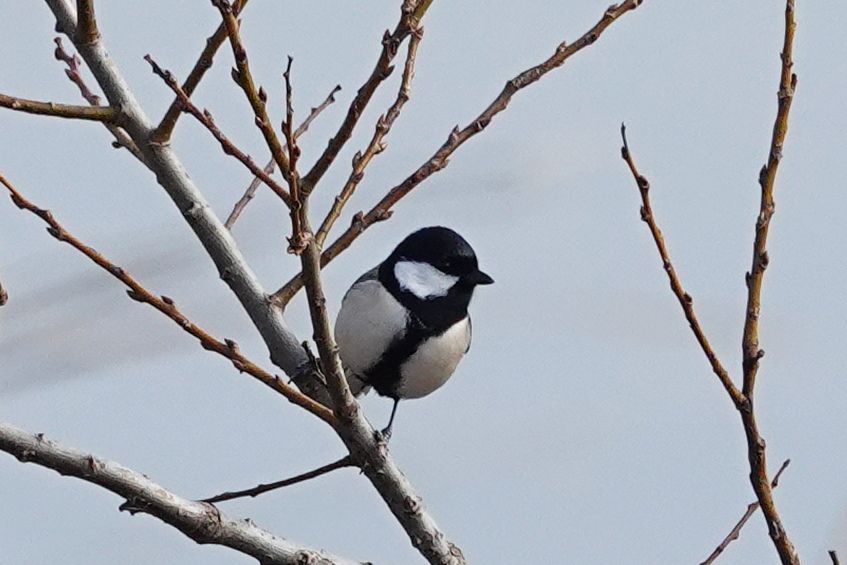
[201,522]
[284,347]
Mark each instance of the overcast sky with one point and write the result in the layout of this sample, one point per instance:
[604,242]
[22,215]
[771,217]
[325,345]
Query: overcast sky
[584,426]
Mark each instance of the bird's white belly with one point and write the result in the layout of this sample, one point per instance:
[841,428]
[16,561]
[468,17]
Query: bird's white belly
[434,361]
[369,321]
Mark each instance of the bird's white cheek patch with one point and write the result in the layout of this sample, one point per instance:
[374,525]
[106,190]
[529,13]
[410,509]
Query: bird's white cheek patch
[422,279]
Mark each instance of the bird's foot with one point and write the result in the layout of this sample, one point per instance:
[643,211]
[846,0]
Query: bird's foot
[383,436]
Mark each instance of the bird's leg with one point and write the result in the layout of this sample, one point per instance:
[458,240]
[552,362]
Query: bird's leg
[386,432]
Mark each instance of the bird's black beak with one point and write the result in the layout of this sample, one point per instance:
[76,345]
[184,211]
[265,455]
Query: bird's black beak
[478,277]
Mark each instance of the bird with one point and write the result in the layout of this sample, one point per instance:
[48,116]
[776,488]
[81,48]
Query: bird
[404,325]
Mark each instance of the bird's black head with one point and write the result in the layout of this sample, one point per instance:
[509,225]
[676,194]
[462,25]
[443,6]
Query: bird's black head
[433,272]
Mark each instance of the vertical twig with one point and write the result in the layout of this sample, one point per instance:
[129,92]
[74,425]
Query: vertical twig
[750,342]
[297,242]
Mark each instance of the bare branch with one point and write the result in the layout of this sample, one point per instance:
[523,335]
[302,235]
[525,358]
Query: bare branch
[201,522]
[271,166]
[204,63]
[345,461]
[86,30]
[244,78]
[410,16]
[736,530]
[750,341]
[284,346]
[376,145]
[834,557]
[316,111]
[226,348]
[382,210]
[205,118]
[248,195]
[685,299]
[4,296]
[105,114]
[297,241]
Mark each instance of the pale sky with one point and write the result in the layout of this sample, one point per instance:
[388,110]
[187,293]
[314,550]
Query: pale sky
[585,425]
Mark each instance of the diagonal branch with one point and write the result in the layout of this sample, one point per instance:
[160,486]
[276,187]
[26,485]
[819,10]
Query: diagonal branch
[382,210]
[201,522]
[271,166]
[376,145]
[736,530]
[206,119]
[204,63]
[410,15]
[106,114]
[285,348]
[226,348]
[685,299]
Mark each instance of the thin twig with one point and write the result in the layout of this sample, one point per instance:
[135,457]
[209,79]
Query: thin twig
[86,29]
[685,299]
[205,118]
[244,78]
[204,63]
[736,530]
[4,296]
[377,144]
[226,348]
[106,114]
[72,72]
[345,461]
[271,166]
[248,195]
[411,13]
[834,557]
[297,241]
[750,341]
[382,210]
[203,523]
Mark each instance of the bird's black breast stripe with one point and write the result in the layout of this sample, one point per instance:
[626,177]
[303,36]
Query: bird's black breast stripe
[384,376]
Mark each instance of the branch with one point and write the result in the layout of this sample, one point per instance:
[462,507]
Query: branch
[204,63]
[767,179]
[86,31]
[200,521]
[4,296]
[165,305]
[122,139]
[205,118]
[410,15]
[376,145]
[345,461]
[382,210]
[750,341]
[269,168]
[106,114]
[685,299]
[834,557]
[244,78]
[736,530]
[297,241]
[285,349]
